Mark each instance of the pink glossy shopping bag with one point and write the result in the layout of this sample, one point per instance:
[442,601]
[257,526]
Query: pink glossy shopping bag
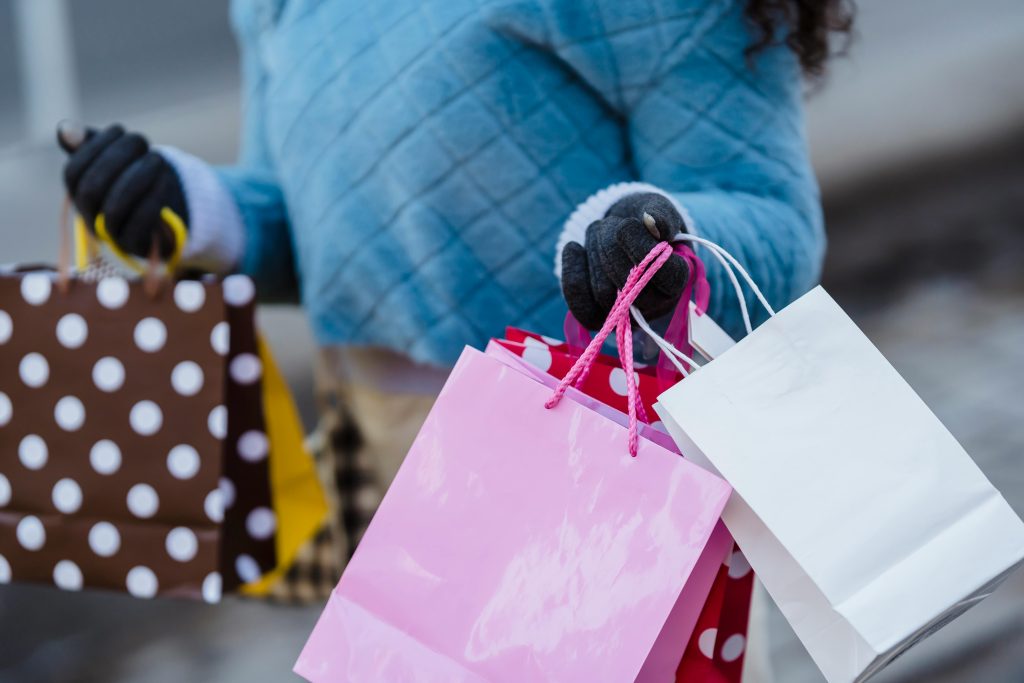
[519,544]
[524,543]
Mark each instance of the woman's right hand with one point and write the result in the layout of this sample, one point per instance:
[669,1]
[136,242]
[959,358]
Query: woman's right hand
[116,174]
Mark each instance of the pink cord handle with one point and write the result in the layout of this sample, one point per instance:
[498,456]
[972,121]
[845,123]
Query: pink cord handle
[577,337]
[619,320]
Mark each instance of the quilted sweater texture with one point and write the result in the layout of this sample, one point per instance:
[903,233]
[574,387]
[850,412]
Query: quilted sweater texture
[408,165]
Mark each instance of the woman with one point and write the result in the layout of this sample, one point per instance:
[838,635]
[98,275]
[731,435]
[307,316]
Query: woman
[414,168]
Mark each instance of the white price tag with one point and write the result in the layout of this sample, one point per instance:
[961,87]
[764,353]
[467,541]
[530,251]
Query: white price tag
[706,337]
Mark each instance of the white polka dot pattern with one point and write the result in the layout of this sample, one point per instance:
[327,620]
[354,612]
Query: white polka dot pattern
[238,290]
[150,335]
[108,374]
[112,292]
[220,338]
[67,496]
[733,647]
[261,523]
[35,288]
[6,327]
[247,568]
[187,378]
[72,331]
[146,418]
[104,539]
[214,506]
[34,370]
[212,586]
[32,452]
[189,295]
[253,446]
[183,461]
[6,409]
[538,354]
[5,491]
[5,570]
[182,544]
[141,582]
[30,532]
[227,492]
[105,457]
[246,368]
[617,380]
[69,413]
[67,576]
[706,642]
[143,501]
[218,422]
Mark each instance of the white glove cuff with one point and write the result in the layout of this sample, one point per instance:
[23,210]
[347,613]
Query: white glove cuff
[596,207]
[216,234]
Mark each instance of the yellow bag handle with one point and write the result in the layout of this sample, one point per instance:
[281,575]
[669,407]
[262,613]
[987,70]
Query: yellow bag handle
[85,248]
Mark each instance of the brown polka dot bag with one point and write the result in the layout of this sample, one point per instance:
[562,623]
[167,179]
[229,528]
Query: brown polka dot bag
[134,444]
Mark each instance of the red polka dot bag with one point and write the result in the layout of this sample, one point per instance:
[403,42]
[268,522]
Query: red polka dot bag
[133,445]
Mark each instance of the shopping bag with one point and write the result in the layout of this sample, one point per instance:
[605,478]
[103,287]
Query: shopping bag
[132,440]
[716,649]
[520,543]
[867,522]
[300,505]
[513,540]
[728,605]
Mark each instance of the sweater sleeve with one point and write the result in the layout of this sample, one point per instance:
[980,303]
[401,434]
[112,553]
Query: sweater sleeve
[268,256]
[720,133]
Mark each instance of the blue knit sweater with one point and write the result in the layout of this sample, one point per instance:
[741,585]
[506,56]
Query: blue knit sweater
[409,165]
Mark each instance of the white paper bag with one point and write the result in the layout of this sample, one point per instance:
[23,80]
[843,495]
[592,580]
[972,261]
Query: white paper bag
[867,522]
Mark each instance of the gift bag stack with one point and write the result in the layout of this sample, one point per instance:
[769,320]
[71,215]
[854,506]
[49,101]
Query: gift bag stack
[545,527]
[145,445]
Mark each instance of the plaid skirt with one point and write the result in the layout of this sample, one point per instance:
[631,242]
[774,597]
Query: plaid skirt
[363,433]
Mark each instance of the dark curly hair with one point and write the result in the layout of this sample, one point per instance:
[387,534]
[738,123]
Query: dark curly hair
[806,27]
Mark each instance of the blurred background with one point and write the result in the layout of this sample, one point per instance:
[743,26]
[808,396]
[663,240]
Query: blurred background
[918,139]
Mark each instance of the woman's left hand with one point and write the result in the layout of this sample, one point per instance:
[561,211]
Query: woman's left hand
[593,273]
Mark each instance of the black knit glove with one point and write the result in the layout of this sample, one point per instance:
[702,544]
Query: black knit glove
[116,173]
[593,273]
